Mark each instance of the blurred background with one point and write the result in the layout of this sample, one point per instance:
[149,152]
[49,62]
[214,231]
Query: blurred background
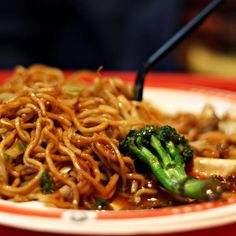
[115,34]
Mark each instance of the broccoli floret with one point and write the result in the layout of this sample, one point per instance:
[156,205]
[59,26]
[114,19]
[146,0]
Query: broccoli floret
[166,152]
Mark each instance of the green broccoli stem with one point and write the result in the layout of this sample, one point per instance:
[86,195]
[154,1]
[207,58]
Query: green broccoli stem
[151,160]
[172,160]
[165,152]
[203,190]
[169,170]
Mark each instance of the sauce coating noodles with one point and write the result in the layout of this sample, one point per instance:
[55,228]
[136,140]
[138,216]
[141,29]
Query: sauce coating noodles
[59,141]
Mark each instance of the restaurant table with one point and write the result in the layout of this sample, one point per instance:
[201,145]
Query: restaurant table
[226,230]
[161,80]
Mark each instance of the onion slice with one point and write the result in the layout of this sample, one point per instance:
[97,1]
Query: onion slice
[206,167]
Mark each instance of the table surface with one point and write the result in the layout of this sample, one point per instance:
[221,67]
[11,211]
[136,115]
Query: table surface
[227,230]
[162,80]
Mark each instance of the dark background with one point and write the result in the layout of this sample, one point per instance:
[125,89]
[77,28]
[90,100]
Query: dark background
[115,34]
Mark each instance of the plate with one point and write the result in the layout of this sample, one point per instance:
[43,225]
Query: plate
[37,217]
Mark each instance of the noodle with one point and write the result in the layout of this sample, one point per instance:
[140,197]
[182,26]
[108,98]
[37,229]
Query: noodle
[64,134]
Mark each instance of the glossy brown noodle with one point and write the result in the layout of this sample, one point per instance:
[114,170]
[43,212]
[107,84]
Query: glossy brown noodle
[70,130]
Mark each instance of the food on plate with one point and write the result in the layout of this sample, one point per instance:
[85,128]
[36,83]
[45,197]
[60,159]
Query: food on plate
[62,143]
[166,153]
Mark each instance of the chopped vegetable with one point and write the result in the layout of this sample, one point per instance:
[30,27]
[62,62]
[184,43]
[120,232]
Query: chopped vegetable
[15,150]
[47,183]
[6,157]
[206,167]
[100,203]
[72,90]
[165,152]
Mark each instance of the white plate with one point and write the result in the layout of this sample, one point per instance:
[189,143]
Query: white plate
[35,216]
